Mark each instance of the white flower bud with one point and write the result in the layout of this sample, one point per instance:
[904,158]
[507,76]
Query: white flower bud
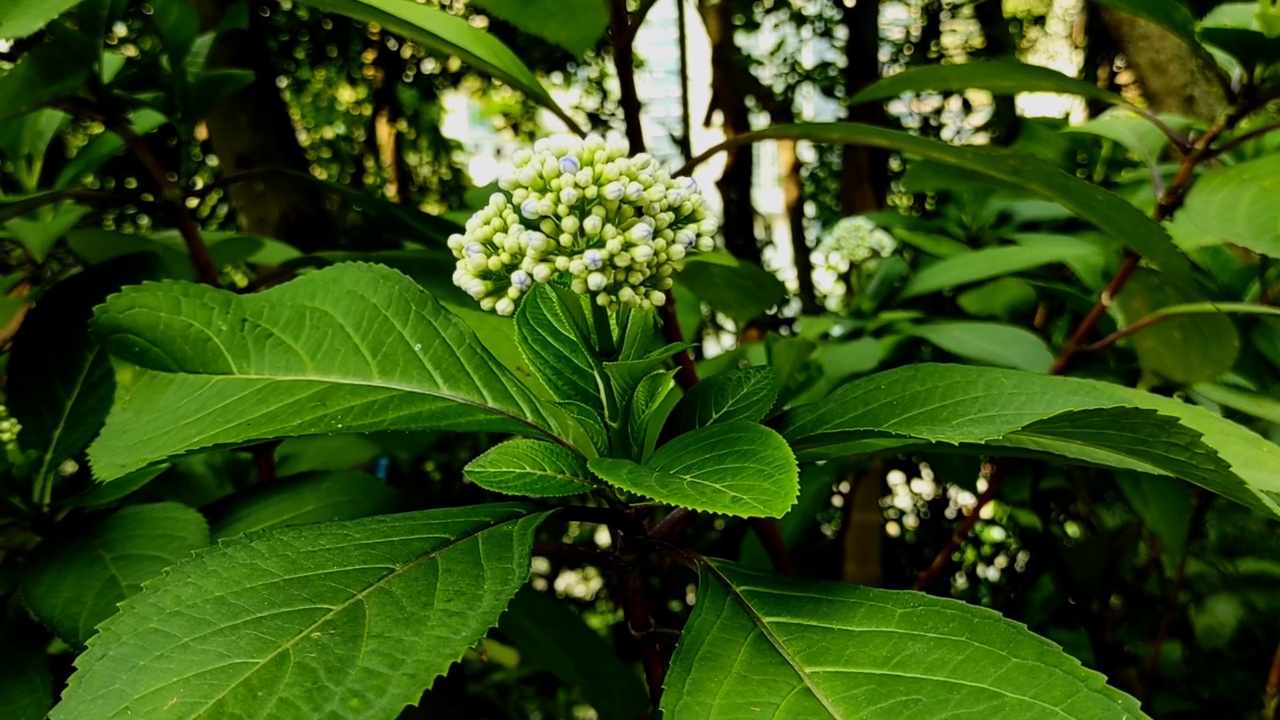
[657,298]
[592,225]
[642,253]
[542,272]
[569,165]
[596,281]
[505,307]
[613,191]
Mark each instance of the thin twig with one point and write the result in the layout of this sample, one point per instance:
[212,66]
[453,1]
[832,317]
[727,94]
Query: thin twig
[1137,327]
[1271,701]
[1166,621]
[1237,141]
[636,611]
[206,271]
[671,525]
[1169,201]
[943,558]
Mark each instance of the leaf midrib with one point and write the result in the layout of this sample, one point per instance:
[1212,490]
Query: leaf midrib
[61,424]
[429,555]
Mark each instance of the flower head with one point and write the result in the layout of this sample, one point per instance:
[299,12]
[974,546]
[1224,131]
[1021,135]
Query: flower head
[9,427]
[611,226]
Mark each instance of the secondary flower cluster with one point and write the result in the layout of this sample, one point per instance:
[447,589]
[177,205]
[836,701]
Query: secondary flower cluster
[9,427]
[616,227]
[853,241]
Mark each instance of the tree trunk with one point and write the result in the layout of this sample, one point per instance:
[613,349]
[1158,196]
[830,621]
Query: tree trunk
[1174,78]
[864,171]
[251,130]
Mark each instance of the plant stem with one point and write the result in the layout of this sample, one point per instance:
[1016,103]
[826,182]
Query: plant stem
[769,531]
[687,374]
[1271,700]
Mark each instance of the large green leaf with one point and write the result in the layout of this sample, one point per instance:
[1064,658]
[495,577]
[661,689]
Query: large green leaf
[351,348]
[760,645]
[302,500]
[735,468]
[438,30]
[1235,205]
[1108,211]
[1089,421]
[999,77]
[988,343]
[532,468]
[76,581]
[351,619]
[20,18]
[980,265]
[575,25]
[51,71]
[746,394]
[552,638]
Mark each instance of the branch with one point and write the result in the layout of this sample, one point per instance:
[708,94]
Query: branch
[206,271]
[943,558]
[1271,701]
[1239,140]
[769,531]
[620,36]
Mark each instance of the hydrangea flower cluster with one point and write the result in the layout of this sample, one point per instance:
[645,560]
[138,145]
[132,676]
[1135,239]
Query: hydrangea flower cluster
[616,227]
[9,427]
[854,242]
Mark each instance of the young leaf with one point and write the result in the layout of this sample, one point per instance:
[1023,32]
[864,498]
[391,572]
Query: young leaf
[76,581]
[552,638]
[1067,417]
[532,468]
[306,620]
[326,497]
[438,30]
[1108,211]
[746,394]
[833,650]
[648,410]
[1191,349]
[999,77]
[735,468]
[351,348]
[575,25]
[626,375]
[551,339]
[986,264]
[988,343]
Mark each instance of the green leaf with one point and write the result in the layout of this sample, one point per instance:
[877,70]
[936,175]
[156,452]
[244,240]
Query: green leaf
[824,649]
[999,77]
[1165,506]
[328,452]
[981,265]
[308,621]
[988,343]
[984,408]
[1259,406]
[734,468]
[1236,28]
[1002,298]
[550,336]
[552,638]
[741,290]
[303,500]
[60,380]
[747,394]
[449,34]
[1108,212]
[1233,205]
[351,348]
[648,410]
[38,234]
[1132,131]
[26,685]
[1190,349]
[76,581]
[20,18]
[627,375]
[532,468]
[575,25]
[51,71]
[1171,15]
